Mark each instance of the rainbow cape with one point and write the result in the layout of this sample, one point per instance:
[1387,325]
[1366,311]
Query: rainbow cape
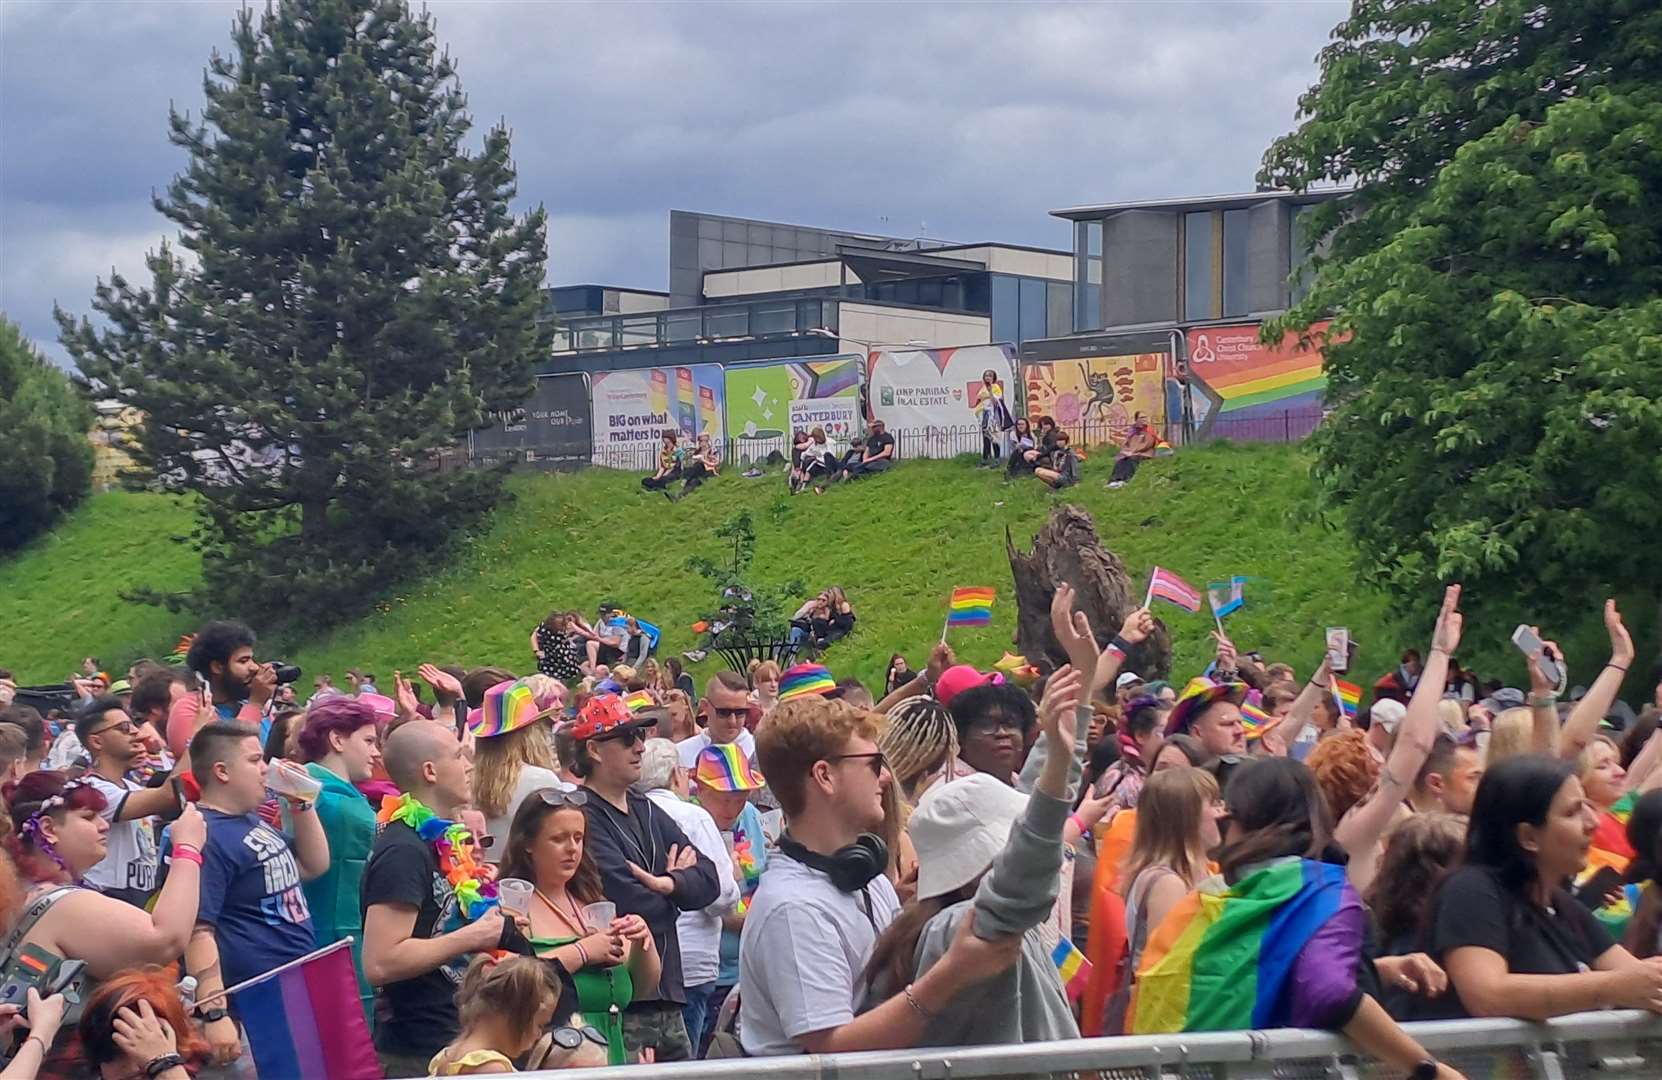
[1206,967]
[970,607]
[1610,848]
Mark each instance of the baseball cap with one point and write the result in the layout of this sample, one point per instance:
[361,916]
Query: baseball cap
[958,678]
[1127,678]
[1388,714]
[604,715]
[959,828]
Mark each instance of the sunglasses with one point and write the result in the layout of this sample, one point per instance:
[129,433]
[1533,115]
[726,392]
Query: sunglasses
[875,759]
[569,1038]
[732,714]
[628,736]
[563,797]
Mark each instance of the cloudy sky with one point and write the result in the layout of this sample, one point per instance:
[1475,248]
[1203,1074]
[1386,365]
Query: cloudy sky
[964,121]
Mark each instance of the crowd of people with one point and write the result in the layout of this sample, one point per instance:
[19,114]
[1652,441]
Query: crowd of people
[596,864]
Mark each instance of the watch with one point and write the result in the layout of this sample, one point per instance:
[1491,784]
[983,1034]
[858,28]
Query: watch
[1425,1070]
[212,1016]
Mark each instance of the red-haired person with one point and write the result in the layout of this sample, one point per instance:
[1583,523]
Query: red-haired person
[58,834]
[135,1025]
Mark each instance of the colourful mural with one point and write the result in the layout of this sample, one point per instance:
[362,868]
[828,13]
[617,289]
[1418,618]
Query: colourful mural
[1094,398]
[1246,378]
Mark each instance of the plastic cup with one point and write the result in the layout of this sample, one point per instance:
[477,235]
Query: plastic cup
[514,894]
[293,781]
[599,915]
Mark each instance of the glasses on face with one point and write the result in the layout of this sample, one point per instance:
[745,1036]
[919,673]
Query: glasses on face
[995,726]
[628,737]
[126,727]
[563,797]
[875,759]
[738,713]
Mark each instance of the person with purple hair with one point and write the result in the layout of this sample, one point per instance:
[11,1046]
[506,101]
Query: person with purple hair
[341,747]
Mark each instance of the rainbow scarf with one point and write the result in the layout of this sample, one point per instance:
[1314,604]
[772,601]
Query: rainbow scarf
[457,851]
[1206,967]
[1611,849]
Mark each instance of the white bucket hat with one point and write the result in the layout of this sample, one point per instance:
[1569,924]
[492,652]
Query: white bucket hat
[958,829]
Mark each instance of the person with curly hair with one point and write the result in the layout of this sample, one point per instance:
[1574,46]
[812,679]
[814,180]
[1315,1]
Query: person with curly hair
[1345,769]
[1419,852]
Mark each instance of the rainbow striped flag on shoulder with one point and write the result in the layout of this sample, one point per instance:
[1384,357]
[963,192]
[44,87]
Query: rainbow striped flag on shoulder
[970,607]
[1223,959]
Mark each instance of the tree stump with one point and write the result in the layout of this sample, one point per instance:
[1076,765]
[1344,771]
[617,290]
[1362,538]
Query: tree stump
[1067,549]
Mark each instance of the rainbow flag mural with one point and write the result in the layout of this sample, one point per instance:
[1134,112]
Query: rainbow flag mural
[1072,966]
[1243,373]
[970,607]
[1207,968]
[297,1023]
[1349,696]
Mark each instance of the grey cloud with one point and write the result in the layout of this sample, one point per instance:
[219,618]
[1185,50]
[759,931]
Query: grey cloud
[976,119]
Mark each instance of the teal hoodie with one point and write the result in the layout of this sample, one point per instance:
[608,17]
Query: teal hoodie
[349,823]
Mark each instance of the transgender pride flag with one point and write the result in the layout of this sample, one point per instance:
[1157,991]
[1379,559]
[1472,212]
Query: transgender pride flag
[304,1021]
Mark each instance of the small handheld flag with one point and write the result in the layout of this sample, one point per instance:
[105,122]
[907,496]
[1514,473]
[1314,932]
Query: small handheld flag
[1167,586]
[1255,721]
[1349,696]
[1072,966]
[969,607]
[1226,596]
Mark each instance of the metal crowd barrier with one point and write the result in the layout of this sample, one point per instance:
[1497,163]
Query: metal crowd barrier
[1617,1045]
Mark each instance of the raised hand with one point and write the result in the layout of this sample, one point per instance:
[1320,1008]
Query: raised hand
[1073,632]
[1226,655]
[941,657]
[1138,625]
[1058,716]
[447,689]
[1621,642]
[1446,637]
[404,694]
[1538,681]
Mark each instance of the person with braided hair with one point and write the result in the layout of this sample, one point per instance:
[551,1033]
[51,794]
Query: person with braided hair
[918,742]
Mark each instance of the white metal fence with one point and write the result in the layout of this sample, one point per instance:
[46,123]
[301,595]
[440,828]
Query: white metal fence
[1618,1045]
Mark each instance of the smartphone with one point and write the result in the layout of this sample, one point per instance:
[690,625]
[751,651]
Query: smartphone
[1529,643]
[1338,649]
[1592,892]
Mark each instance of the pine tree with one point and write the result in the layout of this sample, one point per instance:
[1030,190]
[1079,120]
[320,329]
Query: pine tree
[1498,396]
[356,296]
[45,458]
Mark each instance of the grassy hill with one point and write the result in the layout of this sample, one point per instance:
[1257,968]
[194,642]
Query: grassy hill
[896,543]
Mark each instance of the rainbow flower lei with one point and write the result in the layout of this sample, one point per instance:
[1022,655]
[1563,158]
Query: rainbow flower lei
[746,859]
[473,884]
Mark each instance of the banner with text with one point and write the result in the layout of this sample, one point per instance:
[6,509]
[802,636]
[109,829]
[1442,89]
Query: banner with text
[769,399]
[1242,378]
[932,392]
[1095,398]
[553,424]
[632,410]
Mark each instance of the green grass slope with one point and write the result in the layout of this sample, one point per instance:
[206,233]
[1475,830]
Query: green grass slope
[896,543]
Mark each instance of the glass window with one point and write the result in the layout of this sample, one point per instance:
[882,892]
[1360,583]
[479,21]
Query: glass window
[1199,291]
[727,321]
[1006,313]
[1059,313]
[773,319]
[1087,275]
[683,325]
[596,335]
[1034,309]
[639,330]
[1236,227]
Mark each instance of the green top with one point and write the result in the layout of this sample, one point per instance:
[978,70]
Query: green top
[602,995]
[349,822]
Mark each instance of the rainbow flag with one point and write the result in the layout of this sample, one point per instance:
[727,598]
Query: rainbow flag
[1167,586]
[297,1024]
[1072,966]
[1206,967]
[1349,696]
[970,607]
[639,700]
[1255,721]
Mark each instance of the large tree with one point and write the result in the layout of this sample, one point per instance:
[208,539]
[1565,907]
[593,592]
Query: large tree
[45,458]
[357,294]
[1499,398]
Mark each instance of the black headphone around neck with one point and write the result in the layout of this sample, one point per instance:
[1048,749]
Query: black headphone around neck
[851,868]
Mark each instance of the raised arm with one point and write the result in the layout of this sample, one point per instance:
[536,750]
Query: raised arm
[1585,717]
[940,658]
[1543,701]
[1073,632]
[1303,710]
[1362,828]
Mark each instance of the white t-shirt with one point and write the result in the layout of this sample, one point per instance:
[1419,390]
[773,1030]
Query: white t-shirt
[700,931]
[130,862]
[803,954]
[692,746]
[532,778]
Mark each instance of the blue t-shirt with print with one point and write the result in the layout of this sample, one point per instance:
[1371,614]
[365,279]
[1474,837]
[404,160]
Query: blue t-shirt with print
[747,829]
[251,896]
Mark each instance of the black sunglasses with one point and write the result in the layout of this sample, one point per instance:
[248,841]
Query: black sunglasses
[570,1038]
[626,736]
[875,759]
[563,797]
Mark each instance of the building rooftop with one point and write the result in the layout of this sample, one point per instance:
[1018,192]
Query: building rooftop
[1203,202]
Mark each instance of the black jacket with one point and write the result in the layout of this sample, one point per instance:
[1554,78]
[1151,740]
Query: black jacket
[613,843]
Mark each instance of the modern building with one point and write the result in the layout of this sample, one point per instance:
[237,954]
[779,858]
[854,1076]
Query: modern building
[745,290]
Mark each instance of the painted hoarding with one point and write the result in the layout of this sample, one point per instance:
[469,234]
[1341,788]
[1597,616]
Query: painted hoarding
[1093,398]
[632,409]
[931,392]
[768,399]
[552,424]
[1244,380]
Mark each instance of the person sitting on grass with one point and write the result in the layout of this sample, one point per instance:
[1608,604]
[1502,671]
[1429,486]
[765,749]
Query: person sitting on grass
[877,456]
[1137,448]
[700,466]
[1062,467]
[1024,447]
[669,464]
[817,461]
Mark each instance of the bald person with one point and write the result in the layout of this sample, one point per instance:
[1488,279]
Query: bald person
[416,945]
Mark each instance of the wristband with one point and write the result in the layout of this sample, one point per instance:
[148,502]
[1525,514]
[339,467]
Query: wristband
[1543,701]
[212,1016]
[1618,667]
[159,1065]
[187,854]
[36,1038]
[911,999]
[1079,823]
[299,806]
[582,954]
[1118,642]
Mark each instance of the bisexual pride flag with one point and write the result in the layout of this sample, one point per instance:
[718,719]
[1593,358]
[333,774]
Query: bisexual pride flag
[970,607]
[304,1020]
